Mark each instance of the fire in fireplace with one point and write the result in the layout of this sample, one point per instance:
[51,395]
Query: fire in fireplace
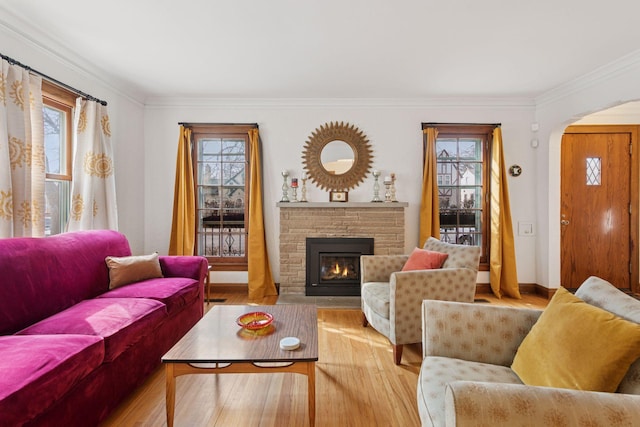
[333,265]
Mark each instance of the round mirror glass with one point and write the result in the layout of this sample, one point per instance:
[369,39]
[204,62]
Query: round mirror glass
[337,157]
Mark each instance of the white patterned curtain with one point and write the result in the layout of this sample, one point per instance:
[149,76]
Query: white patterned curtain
[93,190]
[22,172]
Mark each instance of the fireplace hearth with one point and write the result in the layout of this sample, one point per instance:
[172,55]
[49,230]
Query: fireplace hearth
[333,265]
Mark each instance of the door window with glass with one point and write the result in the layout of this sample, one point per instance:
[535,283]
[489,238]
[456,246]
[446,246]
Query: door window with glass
[222,194]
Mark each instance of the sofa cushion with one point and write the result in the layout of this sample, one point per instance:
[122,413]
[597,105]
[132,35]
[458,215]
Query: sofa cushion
[120,321]
[37,370]
[576,345]
[376,294]
[174,292]
[423,259]
[130,269]
[437,372]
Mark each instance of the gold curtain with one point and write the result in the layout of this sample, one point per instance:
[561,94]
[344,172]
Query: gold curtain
[502,260]
[261,282]
[184,202]
[429,207]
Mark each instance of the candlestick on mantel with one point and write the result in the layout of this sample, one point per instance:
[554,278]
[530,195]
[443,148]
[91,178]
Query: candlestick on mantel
[294,189]
[393,188]
[303,196]
[285,187]
[376,187]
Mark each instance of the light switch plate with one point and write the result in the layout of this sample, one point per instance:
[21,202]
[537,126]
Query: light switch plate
[525,229]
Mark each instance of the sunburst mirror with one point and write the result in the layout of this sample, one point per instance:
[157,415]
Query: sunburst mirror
[337,156]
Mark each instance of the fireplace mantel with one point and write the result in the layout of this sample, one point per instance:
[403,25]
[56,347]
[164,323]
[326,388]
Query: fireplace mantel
[356,205]
[384,222]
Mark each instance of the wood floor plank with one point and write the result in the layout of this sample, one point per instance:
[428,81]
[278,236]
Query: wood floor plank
[357,383]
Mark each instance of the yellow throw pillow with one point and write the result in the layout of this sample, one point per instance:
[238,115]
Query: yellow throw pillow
[578,346]
[130,269]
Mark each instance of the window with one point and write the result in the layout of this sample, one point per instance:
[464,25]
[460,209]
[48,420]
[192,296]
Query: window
[221,154]
[58,113]
[462,158]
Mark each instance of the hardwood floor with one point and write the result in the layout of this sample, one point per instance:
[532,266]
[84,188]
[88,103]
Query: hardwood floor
[357,383]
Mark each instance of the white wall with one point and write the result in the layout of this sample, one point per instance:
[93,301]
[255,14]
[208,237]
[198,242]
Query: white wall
[126,119]
[395,134]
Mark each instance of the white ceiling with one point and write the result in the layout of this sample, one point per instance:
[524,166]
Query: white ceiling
[331,48]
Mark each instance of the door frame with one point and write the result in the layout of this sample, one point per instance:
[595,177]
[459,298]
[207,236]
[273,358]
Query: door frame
[634,217]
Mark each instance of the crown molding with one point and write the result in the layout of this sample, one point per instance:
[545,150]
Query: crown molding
[600,75]
[313,103]
[14,25]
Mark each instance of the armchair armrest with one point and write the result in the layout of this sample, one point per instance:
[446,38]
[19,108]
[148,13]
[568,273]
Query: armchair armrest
[378,268]
[194,267]
[474,332]
[469,403]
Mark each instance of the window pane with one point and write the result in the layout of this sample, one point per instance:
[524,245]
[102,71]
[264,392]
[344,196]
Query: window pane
[55,137]
[471,148]
[56,202]
[594,170]
[446,148]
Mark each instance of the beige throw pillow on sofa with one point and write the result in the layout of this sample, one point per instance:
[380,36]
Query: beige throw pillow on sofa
[130,269]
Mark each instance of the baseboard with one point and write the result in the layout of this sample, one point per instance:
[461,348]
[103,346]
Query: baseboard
[525,288]
[229,287]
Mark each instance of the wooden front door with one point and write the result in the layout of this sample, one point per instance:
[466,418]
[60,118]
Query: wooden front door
[598,214]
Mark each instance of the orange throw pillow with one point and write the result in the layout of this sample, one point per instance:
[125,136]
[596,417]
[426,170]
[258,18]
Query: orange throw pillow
[422,259]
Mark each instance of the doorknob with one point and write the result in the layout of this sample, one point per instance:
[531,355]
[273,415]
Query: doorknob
[564,222]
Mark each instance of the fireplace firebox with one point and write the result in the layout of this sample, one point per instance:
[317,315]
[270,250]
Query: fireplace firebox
[333,265]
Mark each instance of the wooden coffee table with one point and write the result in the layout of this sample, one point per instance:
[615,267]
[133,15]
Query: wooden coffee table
[216,339]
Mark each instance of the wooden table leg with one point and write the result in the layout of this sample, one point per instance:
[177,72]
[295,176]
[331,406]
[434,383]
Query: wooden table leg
[171,393]
[311,384]
[207,283]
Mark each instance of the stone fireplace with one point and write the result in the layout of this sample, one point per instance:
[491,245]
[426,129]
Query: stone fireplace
[383,222]
[333,265]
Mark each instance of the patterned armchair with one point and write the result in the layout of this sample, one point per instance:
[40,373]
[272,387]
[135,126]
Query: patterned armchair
[391,298]
[466,379]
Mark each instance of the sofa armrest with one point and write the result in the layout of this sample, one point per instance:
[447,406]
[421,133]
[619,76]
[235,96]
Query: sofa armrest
[469,403]
[194,267]
[378,268]
[473,331]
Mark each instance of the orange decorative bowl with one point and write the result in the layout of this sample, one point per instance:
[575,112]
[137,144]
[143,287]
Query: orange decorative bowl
[255,320]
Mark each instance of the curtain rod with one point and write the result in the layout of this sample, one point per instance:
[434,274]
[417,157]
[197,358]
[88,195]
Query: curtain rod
[218,124]
[52,80]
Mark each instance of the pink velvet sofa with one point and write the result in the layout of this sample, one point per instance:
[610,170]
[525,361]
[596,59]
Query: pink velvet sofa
[71,349]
